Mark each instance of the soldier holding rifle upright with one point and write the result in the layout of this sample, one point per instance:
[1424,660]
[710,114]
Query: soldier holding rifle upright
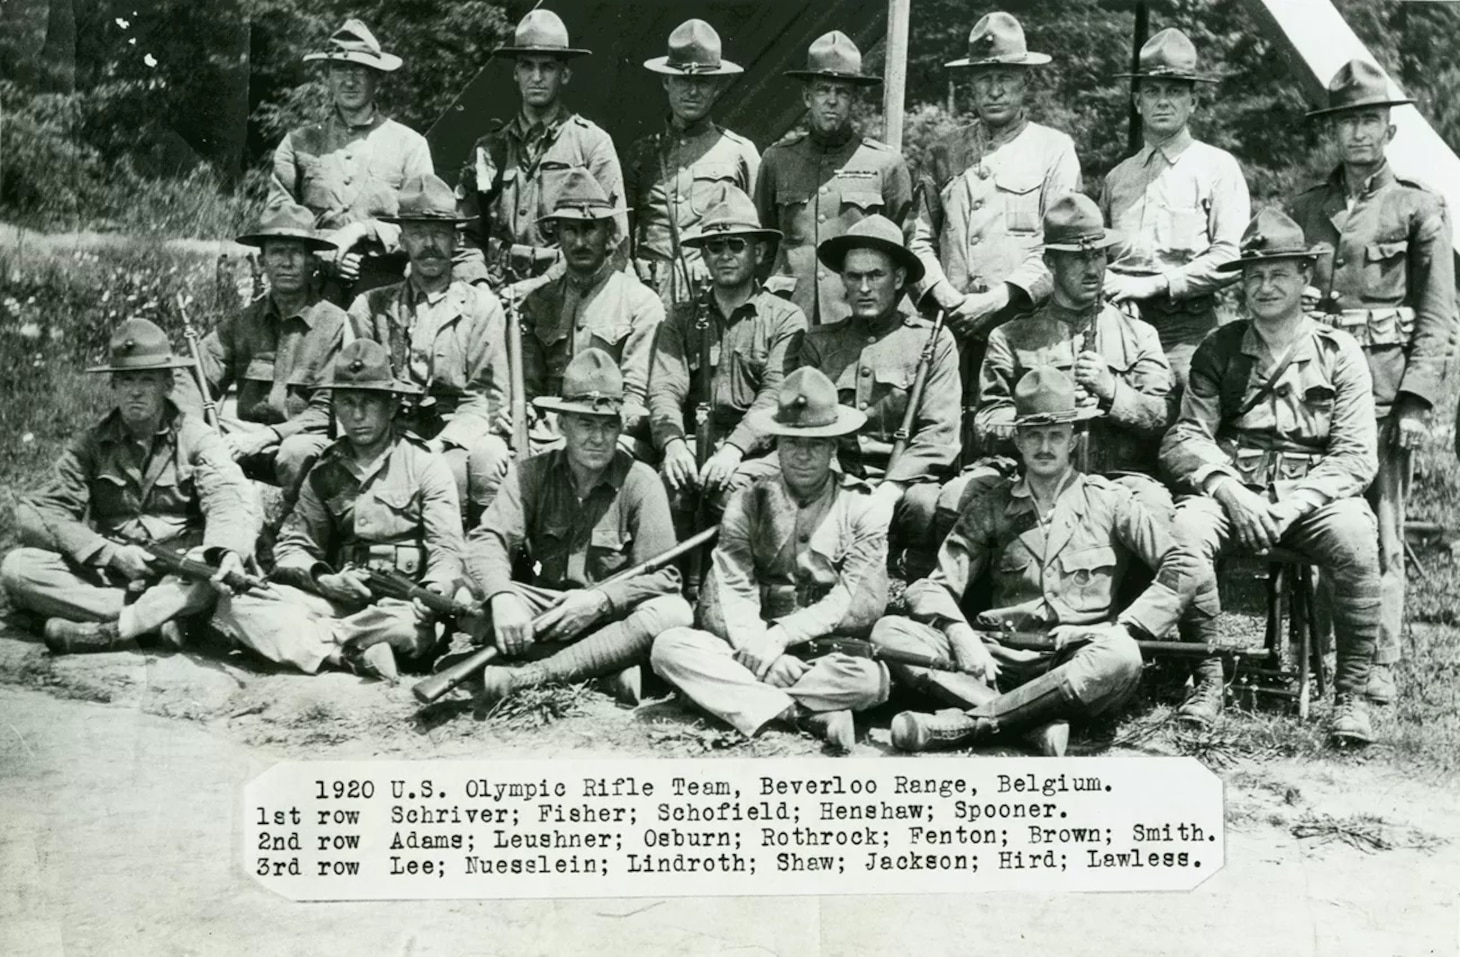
[1054,544]
[149,473]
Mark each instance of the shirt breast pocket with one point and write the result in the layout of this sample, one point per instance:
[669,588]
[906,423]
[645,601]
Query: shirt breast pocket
[314,184]
[858,204]
[1088,579]
[390,515]
[608,552]
[746,371]
[1019,192]
[709,183]
[111,496]
[1181,231]
[1384,271]
[551,176]
[792,206]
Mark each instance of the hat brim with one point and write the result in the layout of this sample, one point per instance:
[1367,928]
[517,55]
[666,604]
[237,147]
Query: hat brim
[1235,265]
[859,79]
[398,219]
[698,237]
[1111,238]
[309,240]
[1348,107]
[1134,269]
[576,215]
[1171,75]
[385,62]
[550,403]
[172,362]
[660,64]
[1026,59]
[1058,418]
[847,421]
[562,53]
[396,387]
[833,253]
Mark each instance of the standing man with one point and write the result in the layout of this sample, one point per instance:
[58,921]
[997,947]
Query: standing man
[754,341]
[1179,204]
[448,338]
[591,306]
[814,185]
[146,472]
[674,176]
[277,351]
[378,499]
[1389,282]
[802,555]
[1055,544]
[1277,435]
[581,512]
[348,170]
[512,174]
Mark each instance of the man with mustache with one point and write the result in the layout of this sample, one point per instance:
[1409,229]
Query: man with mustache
[511,175]
[147,472]
[1179,205]
[814,185]
[1390,282]
[448,338]
[674,176]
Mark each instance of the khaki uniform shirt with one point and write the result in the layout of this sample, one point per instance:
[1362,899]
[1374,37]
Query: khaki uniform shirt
[751,351]
[1065,571]
[1313,436]
[1127,437]
[183,486]
[981,206]
[623,521]
[812,190]
[453,344]
[815,570]
[611,311]
[1180,206]
[402,508]
[277,362]
[874,366]
[677,175]
[1390,276]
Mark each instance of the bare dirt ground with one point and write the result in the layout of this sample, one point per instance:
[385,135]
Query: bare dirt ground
[120,778]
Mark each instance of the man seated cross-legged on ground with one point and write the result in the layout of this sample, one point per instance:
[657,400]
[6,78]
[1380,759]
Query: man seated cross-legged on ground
[1055,544]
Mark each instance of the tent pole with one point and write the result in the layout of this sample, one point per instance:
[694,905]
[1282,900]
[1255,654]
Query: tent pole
[895,82]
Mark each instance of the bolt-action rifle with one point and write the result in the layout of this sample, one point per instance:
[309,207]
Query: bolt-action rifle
[704,442]
[190,332]
[174,562]
[903,435]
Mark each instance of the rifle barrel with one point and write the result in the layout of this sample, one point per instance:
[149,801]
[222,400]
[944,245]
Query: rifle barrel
[903,435]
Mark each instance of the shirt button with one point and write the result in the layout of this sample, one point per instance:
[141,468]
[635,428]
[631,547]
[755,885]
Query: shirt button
[862,406]
[820,274]
[1339,262]
[348,178]
[974,241]
[978,204]
[866,372]
[871,339]
[803,538]
[822,190]
[821,218]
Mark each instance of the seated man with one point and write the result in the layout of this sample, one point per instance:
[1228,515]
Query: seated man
[147,472]
[592,305]
[377,498]
[1055,544]
[582,513]
[802,555]
[1277,434]
[449,339]
[276,351]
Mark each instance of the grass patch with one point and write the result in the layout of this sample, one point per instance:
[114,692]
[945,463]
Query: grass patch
[538,706]
[1367,832]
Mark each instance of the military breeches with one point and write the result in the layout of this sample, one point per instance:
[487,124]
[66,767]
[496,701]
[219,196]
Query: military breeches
[1100,674]
[703,667]
[300,628]
[478,470]
[1340,538]
[1387,496]
[43,582]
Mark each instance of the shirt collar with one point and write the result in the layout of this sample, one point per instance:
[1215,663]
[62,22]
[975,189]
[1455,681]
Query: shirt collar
[1383,176]
[832,141]
[376,118]
[416,295]
[1170,149]
[1021,499]
[304,313]
[1008,134]
[901,312]
[1252,344]
[524,129]
[112,429]
[698,128]
[1081,320]
[597,278]
[612,477]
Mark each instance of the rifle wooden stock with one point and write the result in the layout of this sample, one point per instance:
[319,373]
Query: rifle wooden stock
[704,440]
[519,380]
[432,688]
[1039,641]
[390,584]
[210,409]
[903,435]
[176,563]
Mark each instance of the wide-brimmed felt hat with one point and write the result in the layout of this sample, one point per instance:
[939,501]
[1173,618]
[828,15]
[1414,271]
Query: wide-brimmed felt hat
[581,198]
[833,56]
[1046,396]
[541,31]
[1272,234]
[694,50]
[286,220]
[734,215]
[1358,85]
[873,232]
[997,39]
[1073,224]
[426,199]
[807,407]
[592,385]
[354,43]
[364,366]
[1169,55]
[138,345]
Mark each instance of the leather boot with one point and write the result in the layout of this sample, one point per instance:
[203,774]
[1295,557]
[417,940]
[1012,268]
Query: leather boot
[836,728]
[1204,705]
[626,686]
[499,682]
[952,688]
[65,637]
[378,661]
[1050,740]
[1381,689]
[951,728]
[1044,701]
[1349,723]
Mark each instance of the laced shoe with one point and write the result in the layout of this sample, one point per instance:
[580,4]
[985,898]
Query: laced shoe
[915,731]
[1381,688]
[1349,723]
[65,637]
[1050,740]
[836,728]
[1204,705]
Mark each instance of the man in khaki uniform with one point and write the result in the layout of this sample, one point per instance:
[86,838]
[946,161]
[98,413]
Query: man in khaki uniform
[674,176]
[1055,544]
[814,185]
[448,338]
[512,174]
[276,351]
[582,513]
[1390,282]
[146,472]
[377,499]
[802,554]
[1277,434]
[348,170]
[592,306]
[1179,204]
